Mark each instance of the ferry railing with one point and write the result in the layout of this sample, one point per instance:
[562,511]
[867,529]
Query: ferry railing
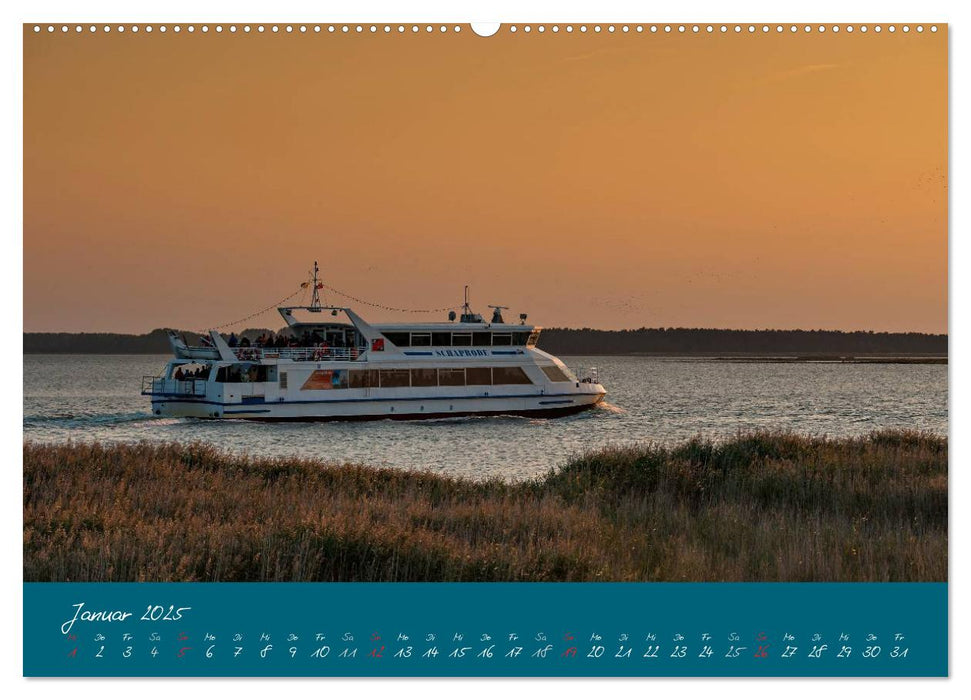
[298,354]
[587,375]
[154,386]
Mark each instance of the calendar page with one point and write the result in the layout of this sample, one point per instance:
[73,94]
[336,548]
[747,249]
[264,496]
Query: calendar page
[544,349]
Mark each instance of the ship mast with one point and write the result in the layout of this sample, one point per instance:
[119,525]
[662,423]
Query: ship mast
[315,299]
[467,315]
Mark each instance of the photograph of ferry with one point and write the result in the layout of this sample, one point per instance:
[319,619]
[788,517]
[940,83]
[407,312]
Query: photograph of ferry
[347,371]
[563,303]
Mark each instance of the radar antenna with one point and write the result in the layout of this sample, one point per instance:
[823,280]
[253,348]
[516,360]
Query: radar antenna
[497,313]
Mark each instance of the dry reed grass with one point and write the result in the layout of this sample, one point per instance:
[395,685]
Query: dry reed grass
[759,507]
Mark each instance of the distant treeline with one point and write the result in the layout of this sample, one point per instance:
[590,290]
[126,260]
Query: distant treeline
[714,341]
[154,343]
[579,341]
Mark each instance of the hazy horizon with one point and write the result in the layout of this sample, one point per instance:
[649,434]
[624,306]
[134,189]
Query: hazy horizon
[276,328]
[784,181]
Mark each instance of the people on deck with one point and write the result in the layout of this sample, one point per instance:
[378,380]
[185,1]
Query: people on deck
[184,373]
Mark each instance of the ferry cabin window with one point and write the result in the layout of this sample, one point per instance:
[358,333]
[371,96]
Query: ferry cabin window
[191,370]
[359,378]
[364,378]
[241,373]
[555,374]
[478,376]
[480,339]
[509,375]
[424,377]
[395,378]
[451,377]
[399,339]
[283,380]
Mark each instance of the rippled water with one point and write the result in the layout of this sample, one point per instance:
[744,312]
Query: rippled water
[93,397]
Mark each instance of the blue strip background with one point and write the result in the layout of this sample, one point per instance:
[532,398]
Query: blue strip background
[551,616]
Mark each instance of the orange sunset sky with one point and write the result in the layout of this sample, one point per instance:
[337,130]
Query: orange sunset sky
[602,180]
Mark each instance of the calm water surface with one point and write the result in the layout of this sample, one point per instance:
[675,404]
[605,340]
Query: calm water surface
[93,397]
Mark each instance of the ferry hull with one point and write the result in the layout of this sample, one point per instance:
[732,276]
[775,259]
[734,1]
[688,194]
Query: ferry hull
[537,406]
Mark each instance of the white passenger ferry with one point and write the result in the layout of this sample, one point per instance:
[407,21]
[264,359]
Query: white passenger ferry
[352,370]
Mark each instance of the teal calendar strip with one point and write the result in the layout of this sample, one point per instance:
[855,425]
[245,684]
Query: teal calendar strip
[496,629]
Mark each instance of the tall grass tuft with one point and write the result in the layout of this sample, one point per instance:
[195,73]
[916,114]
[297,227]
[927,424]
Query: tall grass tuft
[759,507]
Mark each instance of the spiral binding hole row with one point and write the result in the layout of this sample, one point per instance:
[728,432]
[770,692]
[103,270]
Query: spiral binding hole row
[513,29]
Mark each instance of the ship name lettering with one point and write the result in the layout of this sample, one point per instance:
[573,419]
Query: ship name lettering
[461,353]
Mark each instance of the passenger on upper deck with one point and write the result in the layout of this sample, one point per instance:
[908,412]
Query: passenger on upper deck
[233,340]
